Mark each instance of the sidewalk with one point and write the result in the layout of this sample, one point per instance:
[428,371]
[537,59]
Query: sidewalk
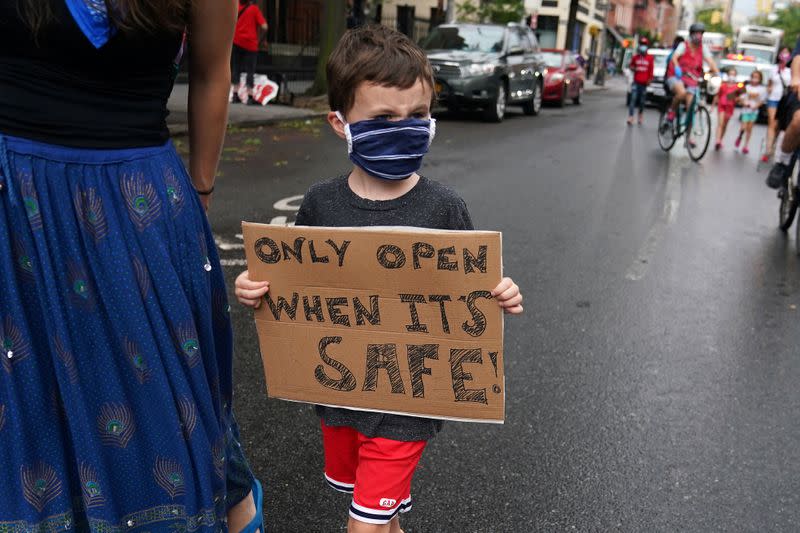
[617,82]
[238,114]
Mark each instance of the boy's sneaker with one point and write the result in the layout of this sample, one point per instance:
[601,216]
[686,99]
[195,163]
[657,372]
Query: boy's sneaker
[778,176]
[671,115]
[745,150]
[630,121]
[718,147]
[765,158]
[739,139]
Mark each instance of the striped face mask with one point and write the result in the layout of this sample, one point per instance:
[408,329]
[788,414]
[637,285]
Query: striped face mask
[391,150]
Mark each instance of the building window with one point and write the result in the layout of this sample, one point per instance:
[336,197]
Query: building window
[547,30]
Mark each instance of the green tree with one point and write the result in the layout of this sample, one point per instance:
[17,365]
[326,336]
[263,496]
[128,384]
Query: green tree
[496,11]
[787,20]
[712,18]
[333,26]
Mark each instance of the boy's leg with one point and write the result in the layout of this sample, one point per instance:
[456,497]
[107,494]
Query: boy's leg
[340,445]
[383,484]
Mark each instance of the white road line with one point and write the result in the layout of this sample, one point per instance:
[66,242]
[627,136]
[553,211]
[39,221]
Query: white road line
[672,202]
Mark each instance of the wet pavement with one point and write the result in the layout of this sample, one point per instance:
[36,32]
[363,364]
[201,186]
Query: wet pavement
[651,384]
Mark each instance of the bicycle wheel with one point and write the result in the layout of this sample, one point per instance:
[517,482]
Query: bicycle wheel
[788,207]
[666,131]
[699,135]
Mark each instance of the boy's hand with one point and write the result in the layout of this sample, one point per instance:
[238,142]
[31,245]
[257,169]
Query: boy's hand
[508,296]
[249,292]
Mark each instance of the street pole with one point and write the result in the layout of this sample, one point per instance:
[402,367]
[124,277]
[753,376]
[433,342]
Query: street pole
[450,15]
[600,75]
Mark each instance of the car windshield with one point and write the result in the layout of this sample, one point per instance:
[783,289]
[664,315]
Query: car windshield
[553,59]
[763,56]
[660,61]
[467,38]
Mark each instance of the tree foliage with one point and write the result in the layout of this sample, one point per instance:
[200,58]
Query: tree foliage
[787,20]
[496,11]
[712,18]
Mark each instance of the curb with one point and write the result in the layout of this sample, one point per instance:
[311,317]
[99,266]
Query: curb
[180,129]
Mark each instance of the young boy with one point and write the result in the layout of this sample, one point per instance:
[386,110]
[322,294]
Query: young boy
[380,94]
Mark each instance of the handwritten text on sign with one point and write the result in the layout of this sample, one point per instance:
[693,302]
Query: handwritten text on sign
[388,319]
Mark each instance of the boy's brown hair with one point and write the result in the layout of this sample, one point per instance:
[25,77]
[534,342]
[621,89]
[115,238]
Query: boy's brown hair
[374,54]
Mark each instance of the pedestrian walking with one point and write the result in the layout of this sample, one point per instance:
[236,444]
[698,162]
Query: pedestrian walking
[115,340]
[725,100]
[642,65]
[754,97]
[246,42]
[777,87]
[380,93]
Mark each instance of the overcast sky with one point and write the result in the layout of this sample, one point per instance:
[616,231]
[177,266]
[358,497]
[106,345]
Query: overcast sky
[745,7]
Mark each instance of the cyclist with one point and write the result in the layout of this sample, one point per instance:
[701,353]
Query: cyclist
[788,120]
[687,68]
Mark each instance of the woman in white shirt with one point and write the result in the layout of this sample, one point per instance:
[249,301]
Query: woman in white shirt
[776,87]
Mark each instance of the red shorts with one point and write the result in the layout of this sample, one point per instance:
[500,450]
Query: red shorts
[726,110]
[376,471]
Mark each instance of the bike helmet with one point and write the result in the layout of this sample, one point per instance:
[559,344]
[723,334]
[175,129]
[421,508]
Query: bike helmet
[697,27]
[713,85]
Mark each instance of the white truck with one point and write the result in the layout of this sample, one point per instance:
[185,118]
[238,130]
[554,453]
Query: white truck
[759,42]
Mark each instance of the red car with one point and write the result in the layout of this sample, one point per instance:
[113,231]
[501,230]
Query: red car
[563,77]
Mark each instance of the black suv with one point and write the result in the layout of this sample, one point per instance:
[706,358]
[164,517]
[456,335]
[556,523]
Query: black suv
[486,66]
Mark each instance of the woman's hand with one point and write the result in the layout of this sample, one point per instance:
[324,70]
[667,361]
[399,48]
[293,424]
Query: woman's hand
[250,292]
[508,296]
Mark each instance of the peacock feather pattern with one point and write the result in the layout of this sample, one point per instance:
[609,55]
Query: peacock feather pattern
[30,199]
[22,259]
[67,359]
[90,487]
[218,452]
[115,424]
[187,344]
[141,200]
[142,276]
[3,416]
[220,308]
[187,411]
[81,291]
[137,361]
[175,193]
[14,348]
[89,208]
[40,485]
[169,476]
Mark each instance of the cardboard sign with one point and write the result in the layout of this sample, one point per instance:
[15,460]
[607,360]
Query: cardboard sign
[395,320]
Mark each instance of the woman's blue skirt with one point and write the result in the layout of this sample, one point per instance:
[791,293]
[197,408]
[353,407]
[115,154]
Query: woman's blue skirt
[115,344]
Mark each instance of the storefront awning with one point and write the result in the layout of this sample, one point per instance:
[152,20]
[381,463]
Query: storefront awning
[615,34]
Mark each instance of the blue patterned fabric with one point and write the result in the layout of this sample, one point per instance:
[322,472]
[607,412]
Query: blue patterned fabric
[115,344]
[92,18]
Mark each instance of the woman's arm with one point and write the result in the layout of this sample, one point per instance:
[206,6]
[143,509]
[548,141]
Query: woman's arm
[210,37]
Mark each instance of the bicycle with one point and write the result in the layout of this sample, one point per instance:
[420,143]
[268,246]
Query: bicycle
[697,121]
[789,196]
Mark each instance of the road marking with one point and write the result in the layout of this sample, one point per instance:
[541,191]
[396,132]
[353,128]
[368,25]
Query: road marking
[677,166]
[222,244]
[233,262]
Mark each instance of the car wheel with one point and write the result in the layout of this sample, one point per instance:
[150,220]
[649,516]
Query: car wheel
[534,105]
[578,97]
[497,110]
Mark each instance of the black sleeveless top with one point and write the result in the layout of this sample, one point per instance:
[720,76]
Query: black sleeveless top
[62,90]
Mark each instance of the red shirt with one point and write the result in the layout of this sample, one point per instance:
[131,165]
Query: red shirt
[642,66]
[727,94]
[691,62]
[250,19]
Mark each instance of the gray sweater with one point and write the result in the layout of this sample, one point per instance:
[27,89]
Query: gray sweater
[428,205]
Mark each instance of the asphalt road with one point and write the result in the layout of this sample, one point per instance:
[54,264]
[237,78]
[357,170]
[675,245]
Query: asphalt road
[652,384]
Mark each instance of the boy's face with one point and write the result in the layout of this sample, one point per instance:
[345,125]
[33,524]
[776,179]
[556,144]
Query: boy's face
[391,103]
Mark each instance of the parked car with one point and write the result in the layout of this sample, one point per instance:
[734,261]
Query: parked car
[563,77]
[655,91]
[486,66]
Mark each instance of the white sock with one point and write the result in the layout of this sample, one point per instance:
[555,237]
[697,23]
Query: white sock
[783,157]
